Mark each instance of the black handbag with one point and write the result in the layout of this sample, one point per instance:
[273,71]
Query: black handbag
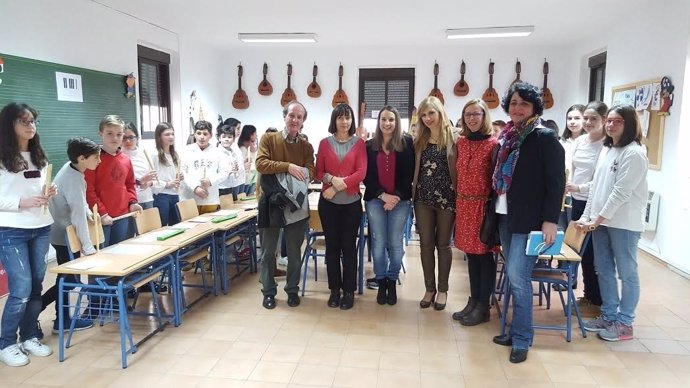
[488,233]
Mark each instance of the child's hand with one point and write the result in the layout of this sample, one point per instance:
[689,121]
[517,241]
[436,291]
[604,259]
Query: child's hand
[205,183]
[36,201]
[106,220]
[52,191]
[135,207]
[145,180]
[200,192]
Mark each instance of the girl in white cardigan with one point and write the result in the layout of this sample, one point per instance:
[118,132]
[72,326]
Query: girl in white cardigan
[615,212]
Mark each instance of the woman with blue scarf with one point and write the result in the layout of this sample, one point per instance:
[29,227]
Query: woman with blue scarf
[529,179]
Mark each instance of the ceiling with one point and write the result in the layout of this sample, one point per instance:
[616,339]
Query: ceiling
[374,23]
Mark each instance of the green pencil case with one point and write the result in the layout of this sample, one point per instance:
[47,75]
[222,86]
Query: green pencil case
[172,233]
[248,199]
[223,218]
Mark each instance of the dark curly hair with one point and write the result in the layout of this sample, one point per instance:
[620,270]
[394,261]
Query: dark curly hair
[527,92]
[10,156]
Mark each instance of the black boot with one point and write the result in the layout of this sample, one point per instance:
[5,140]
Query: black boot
[392,297]
[480,314]
[471,303]
[383,290]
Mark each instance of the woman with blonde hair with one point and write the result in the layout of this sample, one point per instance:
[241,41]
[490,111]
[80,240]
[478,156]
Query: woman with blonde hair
[475,166]
[433,193]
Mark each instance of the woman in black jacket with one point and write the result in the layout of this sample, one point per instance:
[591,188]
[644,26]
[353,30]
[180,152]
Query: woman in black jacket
[529,179]
[390,162]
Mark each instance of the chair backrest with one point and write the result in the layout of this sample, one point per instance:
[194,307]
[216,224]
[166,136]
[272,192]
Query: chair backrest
[187,209]
[241,195]
[73,242]
[148,220]
[574,237]
[315,221]
[226,201]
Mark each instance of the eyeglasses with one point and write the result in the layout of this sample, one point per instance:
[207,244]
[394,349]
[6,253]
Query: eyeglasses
[129,138]
[28,123]
[615,121]
[473,115]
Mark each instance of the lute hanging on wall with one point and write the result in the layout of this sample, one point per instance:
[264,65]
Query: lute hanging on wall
[461,88]
[240,99]
[265,87]
[288,94]
[546,93]
[518,70]
[436,92]
[314,90]
[340,97]
[490,95]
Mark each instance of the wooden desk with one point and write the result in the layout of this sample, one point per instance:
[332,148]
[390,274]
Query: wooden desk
[121,261]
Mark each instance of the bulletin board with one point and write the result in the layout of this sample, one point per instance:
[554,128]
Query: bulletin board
[645,96]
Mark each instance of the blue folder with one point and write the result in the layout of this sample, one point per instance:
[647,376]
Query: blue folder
[536,245]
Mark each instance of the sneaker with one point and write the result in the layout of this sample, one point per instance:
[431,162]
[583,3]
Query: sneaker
[80,324]
[282,261]
[373,283]
[34,347]
[597,324]
[617,332]
[587,308]
[13,356]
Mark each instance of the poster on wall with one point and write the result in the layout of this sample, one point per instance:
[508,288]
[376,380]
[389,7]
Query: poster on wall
[3,282]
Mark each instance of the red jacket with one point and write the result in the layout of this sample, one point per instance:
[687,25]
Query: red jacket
[353,167]
[111,185]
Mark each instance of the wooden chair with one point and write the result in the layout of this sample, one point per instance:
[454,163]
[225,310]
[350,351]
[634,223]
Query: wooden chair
[226,201]
[187,209]
[73,242]
[148,220]
[315,243]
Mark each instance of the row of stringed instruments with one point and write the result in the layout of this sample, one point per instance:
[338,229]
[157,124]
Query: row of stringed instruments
[241,101]
[490,96]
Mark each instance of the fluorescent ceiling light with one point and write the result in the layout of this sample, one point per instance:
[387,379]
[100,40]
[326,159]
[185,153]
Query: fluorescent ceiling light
[291,37]
[489,32]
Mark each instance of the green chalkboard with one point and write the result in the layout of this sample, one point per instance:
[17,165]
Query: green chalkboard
[33,82]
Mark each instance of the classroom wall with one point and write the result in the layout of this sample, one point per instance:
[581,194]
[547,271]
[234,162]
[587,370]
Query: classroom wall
[654,41]
[265,111]
[85,34]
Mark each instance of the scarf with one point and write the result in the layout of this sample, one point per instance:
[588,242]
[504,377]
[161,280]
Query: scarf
[511,139]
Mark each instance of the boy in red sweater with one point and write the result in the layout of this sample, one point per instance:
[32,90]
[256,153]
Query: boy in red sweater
[111,185]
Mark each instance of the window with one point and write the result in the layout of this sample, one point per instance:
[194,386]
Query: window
[597,77]
[381,87]
[154,89]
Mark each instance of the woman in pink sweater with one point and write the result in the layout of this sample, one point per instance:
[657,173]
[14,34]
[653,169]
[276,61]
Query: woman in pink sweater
[341,165]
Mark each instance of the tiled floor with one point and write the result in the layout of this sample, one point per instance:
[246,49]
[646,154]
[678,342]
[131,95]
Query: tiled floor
[231,341]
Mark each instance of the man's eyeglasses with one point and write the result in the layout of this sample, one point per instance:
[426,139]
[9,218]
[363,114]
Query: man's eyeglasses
[28,123]
[129,138]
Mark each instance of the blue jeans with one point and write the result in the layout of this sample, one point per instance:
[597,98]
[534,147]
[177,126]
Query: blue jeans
[249,189]
[616,250]
[119,231]
[166,207]
[386,228]
[519,273]
[22,253]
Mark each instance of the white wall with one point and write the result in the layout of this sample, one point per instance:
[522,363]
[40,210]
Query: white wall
[652,43]
[85,34]
[266,111]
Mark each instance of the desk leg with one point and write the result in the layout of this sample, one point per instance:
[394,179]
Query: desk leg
[61,321]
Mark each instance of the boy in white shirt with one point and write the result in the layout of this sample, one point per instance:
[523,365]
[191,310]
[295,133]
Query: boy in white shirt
[203,170]
[234,182]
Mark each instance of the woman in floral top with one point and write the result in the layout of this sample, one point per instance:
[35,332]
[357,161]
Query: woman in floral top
[433,188]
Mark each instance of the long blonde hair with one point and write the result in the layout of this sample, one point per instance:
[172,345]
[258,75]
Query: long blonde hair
[445,138]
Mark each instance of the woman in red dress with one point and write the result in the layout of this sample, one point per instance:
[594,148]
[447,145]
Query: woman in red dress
[476,146]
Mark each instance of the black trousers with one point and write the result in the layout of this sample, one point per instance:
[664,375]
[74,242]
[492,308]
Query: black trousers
[340,229]
[589,275]
[482,271]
